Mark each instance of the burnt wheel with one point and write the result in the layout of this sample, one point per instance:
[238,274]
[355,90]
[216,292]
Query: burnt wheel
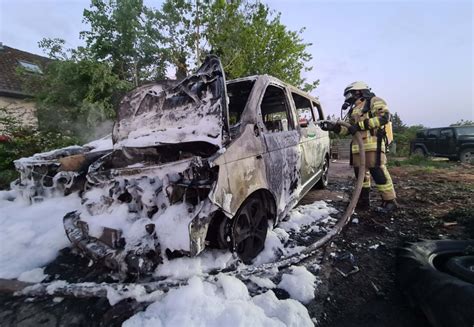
[249,229]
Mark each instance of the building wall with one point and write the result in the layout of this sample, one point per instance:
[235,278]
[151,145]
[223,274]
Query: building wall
[22,109]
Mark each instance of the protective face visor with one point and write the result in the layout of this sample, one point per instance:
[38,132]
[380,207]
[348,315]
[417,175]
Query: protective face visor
[349,100]
[349,97]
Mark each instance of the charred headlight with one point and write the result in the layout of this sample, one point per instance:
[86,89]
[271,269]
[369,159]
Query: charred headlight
[194,185]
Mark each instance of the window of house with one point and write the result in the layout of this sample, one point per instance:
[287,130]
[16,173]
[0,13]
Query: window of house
[275,110]
[303,109]
[30,67]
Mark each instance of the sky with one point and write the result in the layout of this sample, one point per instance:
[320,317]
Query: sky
[417,55]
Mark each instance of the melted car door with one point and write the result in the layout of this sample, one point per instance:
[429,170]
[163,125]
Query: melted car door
[282,154]
[310,156]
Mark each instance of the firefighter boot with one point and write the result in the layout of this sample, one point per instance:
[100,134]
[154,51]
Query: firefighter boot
[388,206]
[364,199]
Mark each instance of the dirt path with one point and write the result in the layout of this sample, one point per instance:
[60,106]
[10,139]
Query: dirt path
[371,297]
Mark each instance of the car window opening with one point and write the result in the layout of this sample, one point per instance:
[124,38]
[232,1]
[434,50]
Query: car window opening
[467,130]
[274,109]
[304,110]
[238,96]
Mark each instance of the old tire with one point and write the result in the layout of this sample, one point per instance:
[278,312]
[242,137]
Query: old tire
[324,180]
[418,151]
[462,267]
[467,156]
[423,276]
[249,228]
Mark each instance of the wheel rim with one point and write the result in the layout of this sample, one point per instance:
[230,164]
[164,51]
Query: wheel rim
[467,157]
[250,230]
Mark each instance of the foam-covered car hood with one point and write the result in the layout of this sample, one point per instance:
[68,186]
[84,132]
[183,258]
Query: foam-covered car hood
[193,110]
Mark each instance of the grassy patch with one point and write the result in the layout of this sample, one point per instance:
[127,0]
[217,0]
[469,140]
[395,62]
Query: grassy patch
[421,161]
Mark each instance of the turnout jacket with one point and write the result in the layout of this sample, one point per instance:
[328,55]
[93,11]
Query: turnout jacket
[370,118]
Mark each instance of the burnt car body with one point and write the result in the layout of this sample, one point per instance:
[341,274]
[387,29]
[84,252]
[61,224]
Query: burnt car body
[58,172]
[203,163]
[455,143]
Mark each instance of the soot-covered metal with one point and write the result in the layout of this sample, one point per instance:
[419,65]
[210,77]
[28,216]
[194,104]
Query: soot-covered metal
[195,164]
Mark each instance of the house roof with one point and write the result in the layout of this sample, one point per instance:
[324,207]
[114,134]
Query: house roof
[10,59]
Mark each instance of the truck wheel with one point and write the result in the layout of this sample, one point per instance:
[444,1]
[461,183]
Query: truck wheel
[419,152]
[435,276]
[467,156]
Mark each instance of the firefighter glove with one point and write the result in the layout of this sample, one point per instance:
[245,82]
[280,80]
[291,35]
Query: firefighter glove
[330,126]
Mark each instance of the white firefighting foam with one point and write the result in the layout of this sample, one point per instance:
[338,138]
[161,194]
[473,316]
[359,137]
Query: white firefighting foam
[33,234]
[225,302]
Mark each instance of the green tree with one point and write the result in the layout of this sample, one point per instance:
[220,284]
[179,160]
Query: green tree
[404,138]
[74,97]
[177,21]
[397,125]
[124,33]
[248,37]
[250,40]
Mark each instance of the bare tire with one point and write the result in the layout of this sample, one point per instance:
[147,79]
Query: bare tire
[462,267]
[419,152]
[429,274]
[324,180]
[467,156]
[249,229]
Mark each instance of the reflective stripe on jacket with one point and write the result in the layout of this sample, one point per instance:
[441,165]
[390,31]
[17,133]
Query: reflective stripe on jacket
[369,123]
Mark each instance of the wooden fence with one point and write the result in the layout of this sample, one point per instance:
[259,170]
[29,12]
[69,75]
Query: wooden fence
[340,148]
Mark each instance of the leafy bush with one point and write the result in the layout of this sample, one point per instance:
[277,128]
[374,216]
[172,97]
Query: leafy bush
[75,97]
[21,142]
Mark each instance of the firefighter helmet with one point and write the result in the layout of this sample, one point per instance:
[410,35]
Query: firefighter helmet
[356,86]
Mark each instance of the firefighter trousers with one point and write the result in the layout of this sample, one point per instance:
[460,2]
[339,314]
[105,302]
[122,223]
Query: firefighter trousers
[379,173]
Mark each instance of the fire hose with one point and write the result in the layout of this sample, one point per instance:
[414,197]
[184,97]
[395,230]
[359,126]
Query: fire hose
[84,290]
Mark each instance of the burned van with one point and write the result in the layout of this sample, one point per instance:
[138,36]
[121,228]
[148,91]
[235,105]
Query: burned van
[205,163]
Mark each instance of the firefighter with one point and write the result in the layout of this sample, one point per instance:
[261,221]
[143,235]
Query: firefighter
[369,116]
